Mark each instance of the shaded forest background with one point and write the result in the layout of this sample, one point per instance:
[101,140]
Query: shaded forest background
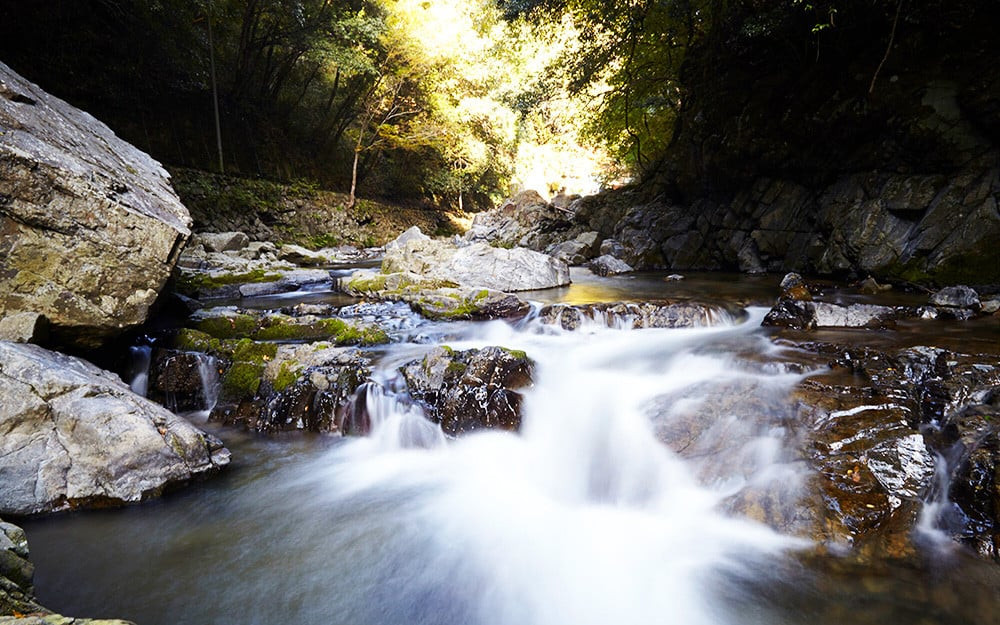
[442,99]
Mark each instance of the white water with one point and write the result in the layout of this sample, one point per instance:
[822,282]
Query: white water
[585,517]
[139,369]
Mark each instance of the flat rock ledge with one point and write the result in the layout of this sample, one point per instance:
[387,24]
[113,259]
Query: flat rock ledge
[76,436]
[434,298]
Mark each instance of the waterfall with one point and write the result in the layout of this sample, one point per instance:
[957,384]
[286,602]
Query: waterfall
[584,518]
[138,374]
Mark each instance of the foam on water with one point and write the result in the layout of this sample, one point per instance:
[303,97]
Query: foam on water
[585,517]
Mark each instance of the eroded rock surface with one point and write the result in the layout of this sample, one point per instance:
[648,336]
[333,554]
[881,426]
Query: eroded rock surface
[471,389]
[75,435]
[90,228]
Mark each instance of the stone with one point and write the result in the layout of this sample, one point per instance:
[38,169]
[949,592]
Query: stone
[477,265]
[608,265]
[611,247]
[956,297]
[299,255]
[570,252]
[412,233]
[73,195]
[77,436]
[808,315]
[222,241]
[24,327]
[990,306]
[472,389]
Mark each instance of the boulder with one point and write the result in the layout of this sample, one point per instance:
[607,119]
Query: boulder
[477,265]
[472,389]
[75,436]
[74,196]
[608,265]
[222,241]
[956,297]
[434,299]
[525,220]
[413,233]
[24,327]
[299,255]
[808,315]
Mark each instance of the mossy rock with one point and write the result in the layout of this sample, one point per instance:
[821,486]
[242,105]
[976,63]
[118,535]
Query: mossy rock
[287,375]
[228,326]
[336,331]
[242,380]
[199,283]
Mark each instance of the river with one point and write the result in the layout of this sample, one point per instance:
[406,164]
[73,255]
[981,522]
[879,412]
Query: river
[584,517]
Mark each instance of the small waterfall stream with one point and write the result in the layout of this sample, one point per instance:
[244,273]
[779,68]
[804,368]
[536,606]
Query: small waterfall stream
[628,497]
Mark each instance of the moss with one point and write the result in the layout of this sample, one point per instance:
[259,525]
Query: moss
[343,333]
[190,340]
[282,331]
[335,330]
[367,284]
[287,375]
[456,368]
[228,327]
[242,380]
[194,283]
[516,353]
[320,241]
[253,352]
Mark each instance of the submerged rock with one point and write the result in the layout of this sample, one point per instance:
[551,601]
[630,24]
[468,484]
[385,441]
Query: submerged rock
[74,196]
[77,436]
[808,315]
[956,297]
[472,389]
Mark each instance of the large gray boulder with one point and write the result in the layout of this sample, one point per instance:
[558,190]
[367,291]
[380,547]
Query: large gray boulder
[89,225]
[477,265]
[75,435]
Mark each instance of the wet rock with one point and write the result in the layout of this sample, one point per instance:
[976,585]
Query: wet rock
[178,379]
[956,297]
[73,192]
[77,436]
[306,387]
[472,389]
[477,265]
[872,287]
[221,241]
[991,306]
[634,315]
[607,265]
[611,247]
[807,315]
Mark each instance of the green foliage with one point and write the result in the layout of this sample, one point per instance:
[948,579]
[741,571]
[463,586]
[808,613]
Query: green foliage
[288,373]
[195,283]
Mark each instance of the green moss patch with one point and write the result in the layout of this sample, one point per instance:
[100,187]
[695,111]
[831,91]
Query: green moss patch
[242,380]
[195,283]
[228,327]
[287,375]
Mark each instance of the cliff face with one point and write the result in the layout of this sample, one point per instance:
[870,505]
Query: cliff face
[801,152]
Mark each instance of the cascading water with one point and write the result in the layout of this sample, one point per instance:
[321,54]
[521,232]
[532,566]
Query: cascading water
[585,517]
[138,373]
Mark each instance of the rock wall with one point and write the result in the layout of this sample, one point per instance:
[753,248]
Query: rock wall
[89,225]
[799,150]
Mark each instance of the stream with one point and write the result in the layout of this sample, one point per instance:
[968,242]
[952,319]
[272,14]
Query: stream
[584,517]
